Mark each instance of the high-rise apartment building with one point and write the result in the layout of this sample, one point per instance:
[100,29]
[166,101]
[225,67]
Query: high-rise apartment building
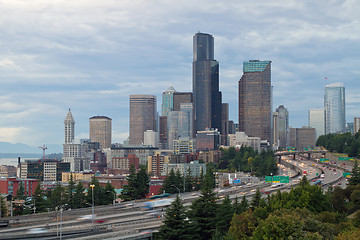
[356,124]
[167,101]
[100,131]
[280,126]
[142,117]
[255,105]
[317,121]
[206,94]
[334,105]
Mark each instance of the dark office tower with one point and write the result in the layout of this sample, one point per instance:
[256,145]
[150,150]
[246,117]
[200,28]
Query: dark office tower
[255,99]
[224,123]
[206,94]
[163,131]
[142,117]
[181,97]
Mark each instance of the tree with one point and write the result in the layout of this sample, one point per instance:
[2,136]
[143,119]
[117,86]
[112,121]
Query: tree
[203,210]
[57,197]
[355,174]
[20,193]
[109,193]
[70,192]
[256,199]
[130,191]
[143,182]
[224,215]
[97,191]
[3,207]
[40,204]
[169,182]
[175,225]
[79,196]
[338,199]
[242,226]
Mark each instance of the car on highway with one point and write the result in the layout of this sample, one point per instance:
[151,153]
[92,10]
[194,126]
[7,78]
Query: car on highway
[37,230]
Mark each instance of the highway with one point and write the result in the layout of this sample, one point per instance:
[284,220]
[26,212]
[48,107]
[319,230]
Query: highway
[129,221]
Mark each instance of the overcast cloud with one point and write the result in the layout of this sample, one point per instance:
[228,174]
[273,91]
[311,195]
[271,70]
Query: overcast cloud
[91,55]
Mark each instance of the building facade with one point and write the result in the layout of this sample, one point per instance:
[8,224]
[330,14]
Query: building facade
[194,169]
[206,94]
[167,101]
[156,163]
[184,145]
[11,185]
[240,139]
[301,138]
[317,121]
[334,105]
[280,126]
[208,140]
[356,124]
[100,130]
[142,117]
[255,104]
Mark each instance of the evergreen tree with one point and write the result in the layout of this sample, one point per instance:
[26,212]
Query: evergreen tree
[70,192]
[355,174]
[179,180]
[188,181]
[169,183]
[143,182]
[256,199]
[40,204]
[20,193]
[79,196]
[109,194]
[175,225]
[130,191]
[244,204]
[98,192]
[202,212]
[225,213]
[3,207]
[57,197]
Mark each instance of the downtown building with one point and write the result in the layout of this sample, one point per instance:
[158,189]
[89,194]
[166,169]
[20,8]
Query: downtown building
[280,126]
[100,131]
[334,106]
[142,117]
[317,121]
[73,151]
[255,103]
[206,94]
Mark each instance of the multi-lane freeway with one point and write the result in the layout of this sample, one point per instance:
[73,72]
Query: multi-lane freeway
[130,221]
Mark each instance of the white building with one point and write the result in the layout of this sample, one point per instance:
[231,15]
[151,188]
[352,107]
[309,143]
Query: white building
[317,121]
[241,139]
[151,138]
[356,124]
[195,168]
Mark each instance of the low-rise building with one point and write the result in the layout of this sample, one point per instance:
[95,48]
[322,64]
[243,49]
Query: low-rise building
[77,176]
[11,185]
[193,168]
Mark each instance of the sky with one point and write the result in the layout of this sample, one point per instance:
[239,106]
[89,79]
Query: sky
[90,55]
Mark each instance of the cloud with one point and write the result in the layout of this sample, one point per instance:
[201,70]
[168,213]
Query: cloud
[91,55]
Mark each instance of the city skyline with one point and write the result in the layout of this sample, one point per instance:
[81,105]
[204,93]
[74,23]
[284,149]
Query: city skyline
[90,56]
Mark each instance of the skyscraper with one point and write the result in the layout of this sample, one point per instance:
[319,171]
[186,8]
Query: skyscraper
[167,101]
[255,105]
[206,94]
[281,125]
[142,117]
[317,121]
[69,124]
[100,131]
[334,105]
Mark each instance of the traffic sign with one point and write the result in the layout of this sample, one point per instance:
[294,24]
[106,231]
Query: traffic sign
[268,179]
[276,179]
[284,179]
[346,159]
[346,174]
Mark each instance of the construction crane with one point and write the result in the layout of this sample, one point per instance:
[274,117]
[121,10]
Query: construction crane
[43,148]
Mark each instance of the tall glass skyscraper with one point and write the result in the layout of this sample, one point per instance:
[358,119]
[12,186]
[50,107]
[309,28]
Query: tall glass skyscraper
[334,105]
[167,101]
[206,94]
[255,105]
[281,126]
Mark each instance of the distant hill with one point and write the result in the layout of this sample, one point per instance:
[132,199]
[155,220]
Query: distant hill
[19,148]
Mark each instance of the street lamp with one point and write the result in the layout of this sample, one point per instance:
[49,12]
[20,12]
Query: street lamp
[92,196]
[176,188]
